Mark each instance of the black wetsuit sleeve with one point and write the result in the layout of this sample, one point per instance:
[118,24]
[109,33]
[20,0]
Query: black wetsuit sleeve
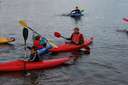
[72,11]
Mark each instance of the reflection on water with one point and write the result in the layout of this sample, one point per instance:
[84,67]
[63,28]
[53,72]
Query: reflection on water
[77,20]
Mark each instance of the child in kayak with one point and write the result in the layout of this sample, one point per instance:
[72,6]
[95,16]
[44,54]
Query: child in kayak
[76,37]
[77,10]
[34,54]
[41,44]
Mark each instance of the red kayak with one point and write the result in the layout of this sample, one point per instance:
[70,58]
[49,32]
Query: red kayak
[66,47]
[21,65]
[125,20]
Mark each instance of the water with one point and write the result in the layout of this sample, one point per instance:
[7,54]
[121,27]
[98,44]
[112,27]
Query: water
[107,63]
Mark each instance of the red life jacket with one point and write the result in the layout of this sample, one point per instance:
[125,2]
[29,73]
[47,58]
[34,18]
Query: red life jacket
[37,44]
[76,38]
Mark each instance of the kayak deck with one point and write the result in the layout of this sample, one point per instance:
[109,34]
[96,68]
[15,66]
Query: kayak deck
[21,65]
[76,15]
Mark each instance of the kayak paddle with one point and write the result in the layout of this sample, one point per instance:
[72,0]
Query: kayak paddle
[24,24]
[25,36]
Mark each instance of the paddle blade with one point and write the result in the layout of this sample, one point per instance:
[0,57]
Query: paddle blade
[23,23]
[57,34]
[25,34]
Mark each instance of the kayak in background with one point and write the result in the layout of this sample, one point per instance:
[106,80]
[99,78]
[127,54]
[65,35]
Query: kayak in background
[4,40]
[21,65]
[66,47]
[125,19]
[75,15]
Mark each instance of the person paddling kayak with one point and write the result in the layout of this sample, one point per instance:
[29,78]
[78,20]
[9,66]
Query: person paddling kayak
[41,44]
[77,10]
[76,37]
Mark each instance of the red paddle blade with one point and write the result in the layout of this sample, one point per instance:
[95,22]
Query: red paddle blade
[57,34]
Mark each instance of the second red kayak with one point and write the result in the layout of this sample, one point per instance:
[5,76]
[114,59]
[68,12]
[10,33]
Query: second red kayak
[71,47]
[21,65]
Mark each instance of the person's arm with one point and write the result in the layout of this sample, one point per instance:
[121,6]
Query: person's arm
[67,38]
[72,10]
[80,11]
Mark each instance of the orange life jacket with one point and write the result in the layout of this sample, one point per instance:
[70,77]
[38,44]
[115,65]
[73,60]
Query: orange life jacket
[76,38]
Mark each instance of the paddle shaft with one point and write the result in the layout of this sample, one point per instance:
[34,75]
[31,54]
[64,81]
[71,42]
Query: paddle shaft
[33,31]
[63,37]
[25,57]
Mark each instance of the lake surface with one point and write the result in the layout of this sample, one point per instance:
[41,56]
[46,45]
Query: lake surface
[106,65]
